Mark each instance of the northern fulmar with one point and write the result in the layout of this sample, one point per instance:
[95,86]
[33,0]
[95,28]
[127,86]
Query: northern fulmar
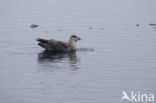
[54,45]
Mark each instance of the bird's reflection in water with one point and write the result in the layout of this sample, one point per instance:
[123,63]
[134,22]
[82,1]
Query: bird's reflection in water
[52,60]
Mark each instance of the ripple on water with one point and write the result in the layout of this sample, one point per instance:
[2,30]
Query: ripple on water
[153,25]
[85,49]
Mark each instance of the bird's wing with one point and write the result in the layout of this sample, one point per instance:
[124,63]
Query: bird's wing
[60,46]
[53,44]
[45,46]
[63,44]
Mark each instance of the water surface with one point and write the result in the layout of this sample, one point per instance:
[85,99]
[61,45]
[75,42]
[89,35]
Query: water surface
[114,54]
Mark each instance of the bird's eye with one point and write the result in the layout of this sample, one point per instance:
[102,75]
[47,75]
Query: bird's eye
[74,36]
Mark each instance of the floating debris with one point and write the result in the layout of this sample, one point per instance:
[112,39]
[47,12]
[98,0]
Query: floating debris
[34,26]
[90,28]
[59,29]
[101,28]
[137,25]
[152,24]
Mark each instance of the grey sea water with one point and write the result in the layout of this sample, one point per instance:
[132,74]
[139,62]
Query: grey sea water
[117,51]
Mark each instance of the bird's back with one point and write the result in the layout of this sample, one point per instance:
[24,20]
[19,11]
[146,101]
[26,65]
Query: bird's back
[54,45]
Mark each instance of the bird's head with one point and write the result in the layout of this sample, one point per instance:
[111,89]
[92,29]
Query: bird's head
[74,38]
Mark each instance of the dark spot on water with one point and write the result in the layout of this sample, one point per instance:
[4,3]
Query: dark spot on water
[137,25]
[34,26]
[90,28]
[137,36]
[59,30]
[101,28]
[151,24]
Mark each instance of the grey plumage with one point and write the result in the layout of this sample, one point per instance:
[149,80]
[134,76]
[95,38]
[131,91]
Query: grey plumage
[54,45]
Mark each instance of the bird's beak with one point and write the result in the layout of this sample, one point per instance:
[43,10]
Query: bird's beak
[79,38]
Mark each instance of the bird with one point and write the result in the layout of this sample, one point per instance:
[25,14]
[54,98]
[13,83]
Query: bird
[54,45]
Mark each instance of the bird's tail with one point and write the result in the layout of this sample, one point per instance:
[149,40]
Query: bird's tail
[42,40]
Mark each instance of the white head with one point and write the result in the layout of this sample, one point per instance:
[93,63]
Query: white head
[74,38]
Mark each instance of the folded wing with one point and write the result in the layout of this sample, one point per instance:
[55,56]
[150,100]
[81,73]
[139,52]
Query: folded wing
[53,45]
